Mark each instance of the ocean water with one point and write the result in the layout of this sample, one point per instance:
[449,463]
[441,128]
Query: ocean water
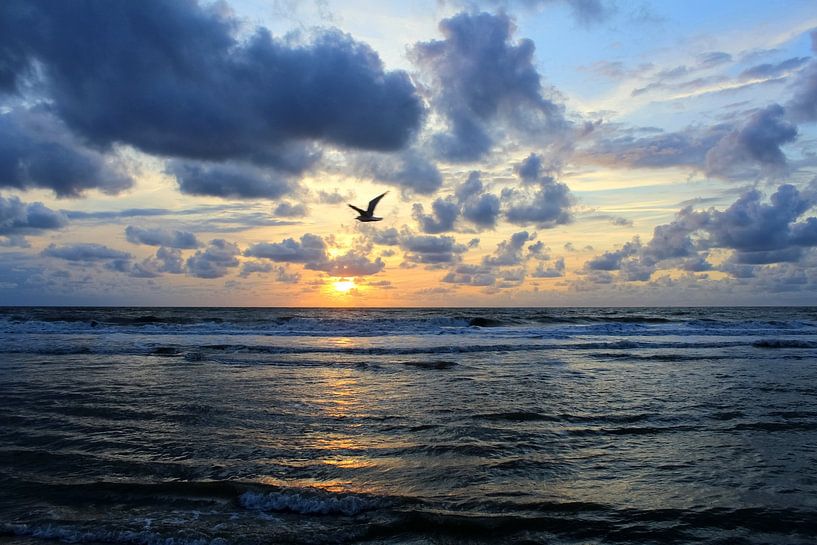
[408,426]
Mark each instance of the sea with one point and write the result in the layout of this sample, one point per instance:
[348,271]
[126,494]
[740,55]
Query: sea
[216,426]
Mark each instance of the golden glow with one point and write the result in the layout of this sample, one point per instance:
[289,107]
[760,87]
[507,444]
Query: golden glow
[343,286]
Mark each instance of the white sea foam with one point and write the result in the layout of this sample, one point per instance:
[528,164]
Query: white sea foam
[308,503]
[70,534]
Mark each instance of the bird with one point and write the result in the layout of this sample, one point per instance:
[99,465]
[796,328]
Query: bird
[368,214]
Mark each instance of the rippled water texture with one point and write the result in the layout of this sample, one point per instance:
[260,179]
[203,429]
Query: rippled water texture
[561,426]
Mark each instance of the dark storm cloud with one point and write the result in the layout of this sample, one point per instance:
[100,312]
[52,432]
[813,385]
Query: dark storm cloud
[214,261]
[229,180]
[479,79]
[161,237]
[37,152]
[310,249]
[19,219]
[171,78]
[87,252]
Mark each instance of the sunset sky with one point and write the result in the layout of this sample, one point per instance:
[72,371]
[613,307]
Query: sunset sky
[540,152]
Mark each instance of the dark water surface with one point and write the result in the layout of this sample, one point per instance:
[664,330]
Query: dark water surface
[561,426]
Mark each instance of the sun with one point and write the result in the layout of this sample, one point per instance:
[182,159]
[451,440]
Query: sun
[343,286]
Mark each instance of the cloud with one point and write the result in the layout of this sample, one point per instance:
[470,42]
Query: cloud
[509,252]
[586,12]
[215,260]
[161,237]
[469,275]
[290,210]
[444,214]
[170,260]
[530,169]
[756,233]
[409,170]
[480,80]
[478,207]
[229,180]
[770,71]
[386,237]
[803,105]
[335,197]
[556,271]
[88,252]
[37,152]
[431,250]
[250,267]
[350,264]
[619,147]
[174,79]
[469,202]
[713,59]
[611,261]
[756,142]
[282,274]
[729,150]
[19,219]
[482,211]
[310,249]
[545,208]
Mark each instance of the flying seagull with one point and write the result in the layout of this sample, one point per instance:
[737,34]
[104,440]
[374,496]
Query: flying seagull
[368,214]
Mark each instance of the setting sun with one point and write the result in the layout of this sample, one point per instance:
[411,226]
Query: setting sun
[343,286]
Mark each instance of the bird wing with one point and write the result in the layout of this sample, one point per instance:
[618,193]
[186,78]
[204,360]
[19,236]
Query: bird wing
[373,203]
[358,210]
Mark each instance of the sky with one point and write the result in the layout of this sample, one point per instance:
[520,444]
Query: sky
[535,152]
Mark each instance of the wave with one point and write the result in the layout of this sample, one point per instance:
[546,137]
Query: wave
[310,502]
[379,322]
[74,534]
[784,343]
[311,515]
[208,352]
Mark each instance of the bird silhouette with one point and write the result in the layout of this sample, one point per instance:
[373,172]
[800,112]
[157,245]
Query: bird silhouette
[368,214]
